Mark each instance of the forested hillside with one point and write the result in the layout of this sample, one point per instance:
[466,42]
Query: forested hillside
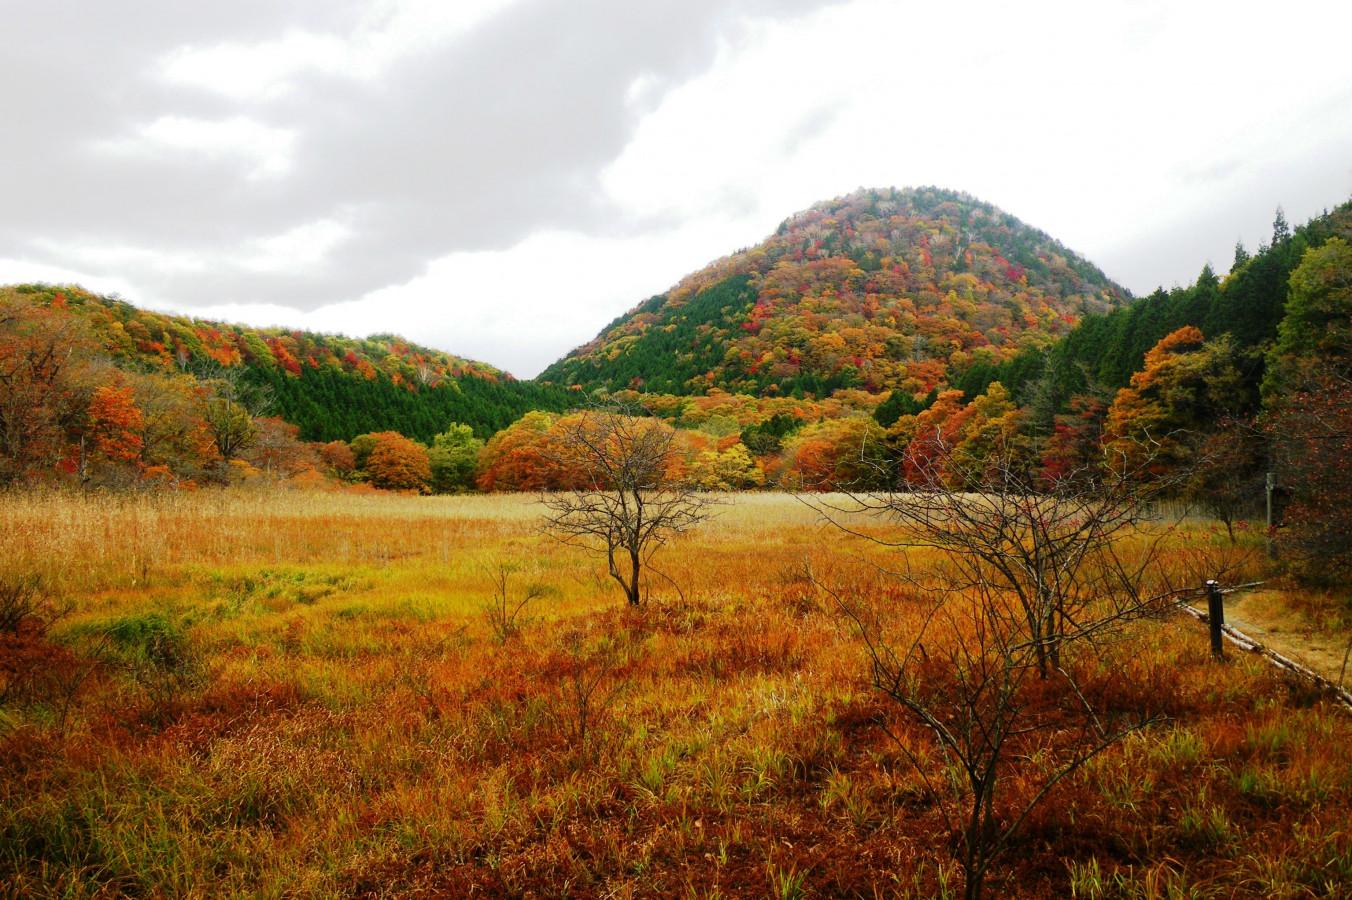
[1103,351]
[331,387]
[331,405]
[880,290]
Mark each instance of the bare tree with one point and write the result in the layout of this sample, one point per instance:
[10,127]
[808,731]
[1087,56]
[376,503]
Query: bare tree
[1024,574]
[628,505]
[593,681]
[965,674]
[1057,548]
[425,373]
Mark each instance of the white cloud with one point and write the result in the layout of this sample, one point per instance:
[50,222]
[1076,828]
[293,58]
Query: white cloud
[1091,126]
[303,247]
[268,70]
[257,71]
[264,151]
[25,271]
[114,257]
[294,253]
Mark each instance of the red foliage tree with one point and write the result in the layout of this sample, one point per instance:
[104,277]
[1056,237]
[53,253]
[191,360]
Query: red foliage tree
[277,448]
[1075,446]
[932,435]
[283,356]
[338,458]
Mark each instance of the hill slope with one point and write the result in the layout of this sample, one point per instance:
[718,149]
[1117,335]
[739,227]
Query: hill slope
[333,387]
[1104,350]
[879,289]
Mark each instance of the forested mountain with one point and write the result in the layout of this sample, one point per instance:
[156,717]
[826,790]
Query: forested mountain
[332,387]
[882,290]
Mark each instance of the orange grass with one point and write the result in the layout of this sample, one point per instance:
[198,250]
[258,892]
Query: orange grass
[353,728]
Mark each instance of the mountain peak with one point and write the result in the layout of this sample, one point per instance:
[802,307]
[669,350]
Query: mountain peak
[880,289]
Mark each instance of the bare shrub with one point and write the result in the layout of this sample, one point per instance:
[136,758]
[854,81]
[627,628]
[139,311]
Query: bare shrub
[591,683]
[25,603]
[34,671]
[503,611]
[1079,555]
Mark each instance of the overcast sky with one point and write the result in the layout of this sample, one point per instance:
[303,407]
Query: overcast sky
[501,178]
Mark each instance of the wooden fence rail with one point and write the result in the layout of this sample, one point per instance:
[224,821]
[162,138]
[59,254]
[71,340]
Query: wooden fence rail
[1336,692]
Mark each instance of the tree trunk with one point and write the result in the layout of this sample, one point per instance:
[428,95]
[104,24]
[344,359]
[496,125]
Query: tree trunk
[633,578]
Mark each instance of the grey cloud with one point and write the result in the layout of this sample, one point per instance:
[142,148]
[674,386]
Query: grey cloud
[1174,255]
[1217,171]
[813,124]
[472,145]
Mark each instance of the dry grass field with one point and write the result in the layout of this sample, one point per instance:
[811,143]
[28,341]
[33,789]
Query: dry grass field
[299,694]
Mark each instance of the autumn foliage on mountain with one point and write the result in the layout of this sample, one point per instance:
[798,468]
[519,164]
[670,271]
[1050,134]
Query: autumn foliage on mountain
[330,386]
[97,392]
[880,290]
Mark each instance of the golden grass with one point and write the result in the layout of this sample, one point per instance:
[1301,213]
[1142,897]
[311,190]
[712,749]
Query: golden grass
[356,730]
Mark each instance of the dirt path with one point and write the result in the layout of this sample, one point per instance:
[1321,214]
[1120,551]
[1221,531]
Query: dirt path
[1262,616]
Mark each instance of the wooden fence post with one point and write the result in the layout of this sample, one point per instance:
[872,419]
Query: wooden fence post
[1215,617]
[1269,483]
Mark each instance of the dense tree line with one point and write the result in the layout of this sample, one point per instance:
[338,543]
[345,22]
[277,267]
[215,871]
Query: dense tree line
[330,405]
[1234,378]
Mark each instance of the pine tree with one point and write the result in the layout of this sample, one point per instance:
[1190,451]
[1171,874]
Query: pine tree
[1280,230]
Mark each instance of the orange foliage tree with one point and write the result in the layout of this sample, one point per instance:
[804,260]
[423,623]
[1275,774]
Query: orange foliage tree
[835,454]
[338,458]
[115,424]
[278,449]
[1186,386]
[43,389]
[527,456]
[398,463]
